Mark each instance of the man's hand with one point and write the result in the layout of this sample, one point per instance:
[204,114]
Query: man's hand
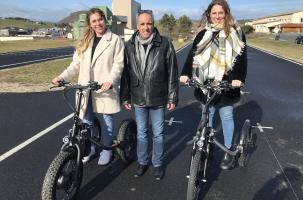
[236,83]
[184,79]
[170,106]
[128,106]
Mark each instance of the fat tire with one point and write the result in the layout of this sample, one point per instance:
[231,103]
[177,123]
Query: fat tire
[195,176]
[127,135]
[245,142]
[49,187]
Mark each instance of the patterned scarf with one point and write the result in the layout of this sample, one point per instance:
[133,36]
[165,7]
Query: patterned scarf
[216,53]
[139,42]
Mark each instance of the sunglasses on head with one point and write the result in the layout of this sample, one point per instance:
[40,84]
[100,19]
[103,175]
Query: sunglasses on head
[150,12]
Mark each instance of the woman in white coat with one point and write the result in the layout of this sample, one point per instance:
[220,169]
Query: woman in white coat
[98,57]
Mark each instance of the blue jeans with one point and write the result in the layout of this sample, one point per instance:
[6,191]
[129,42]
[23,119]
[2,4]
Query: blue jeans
[106,121]
[227,121]
[157,120]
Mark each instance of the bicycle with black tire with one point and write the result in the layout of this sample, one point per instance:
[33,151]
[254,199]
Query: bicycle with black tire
[205,141]
[64,175]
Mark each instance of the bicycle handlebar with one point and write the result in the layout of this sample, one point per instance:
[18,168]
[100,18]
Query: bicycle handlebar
[92,85]
[211,85]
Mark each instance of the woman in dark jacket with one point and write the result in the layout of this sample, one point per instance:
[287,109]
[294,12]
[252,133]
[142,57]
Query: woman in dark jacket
[219,52]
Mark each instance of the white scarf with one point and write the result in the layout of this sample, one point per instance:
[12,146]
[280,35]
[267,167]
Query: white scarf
[211,59]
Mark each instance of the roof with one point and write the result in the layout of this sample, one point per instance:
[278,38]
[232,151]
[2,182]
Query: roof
[120,18]
[279,14]
[292,25]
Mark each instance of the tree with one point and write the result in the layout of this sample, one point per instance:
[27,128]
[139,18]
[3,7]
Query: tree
[247,29]
[184,24]
[168,22]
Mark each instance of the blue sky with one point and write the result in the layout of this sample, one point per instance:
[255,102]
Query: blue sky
[55,10]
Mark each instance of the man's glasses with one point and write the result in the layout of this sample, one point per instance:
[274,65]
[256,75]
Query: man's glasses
[150,12]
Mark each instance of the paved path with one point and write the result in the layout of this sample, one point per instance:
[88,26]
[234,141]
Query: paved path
[272,97]
[15,59]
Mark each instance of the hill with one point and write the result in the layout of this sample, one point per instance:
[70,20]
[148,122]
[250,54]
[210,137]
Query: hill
[72,17]
[24,23]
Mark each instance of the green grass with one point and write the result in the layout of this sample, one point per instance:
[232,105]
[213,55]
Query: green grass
[283,48]
[25,45]
[40,73]
[23,24]
[178,45]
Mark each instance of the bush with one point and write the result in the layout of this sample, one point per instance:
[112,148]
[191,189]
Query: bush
[247,29]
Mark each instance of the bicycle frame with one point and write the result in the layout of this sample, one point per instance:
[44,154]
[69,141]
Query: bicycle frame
[80,132]
[205,140]
[208,135]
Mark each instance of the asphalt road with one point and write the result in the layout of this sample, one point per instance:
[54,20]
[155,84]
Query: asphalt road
[272,98]
[15,59]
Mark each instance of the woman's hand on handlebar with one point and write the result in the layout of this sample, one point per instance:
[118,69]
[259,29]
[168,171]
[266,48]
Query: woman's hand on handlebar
[184,79]
[236,83]
[128,106]
[57,80]
[105,86]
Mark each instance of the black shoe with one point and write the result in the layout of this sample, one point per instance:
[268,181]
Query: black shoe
[158,173]
[228,162]
[141,169]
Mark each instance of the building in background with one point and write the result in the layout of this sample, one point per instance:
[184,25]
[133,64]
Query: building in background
[286,22]
[121,20]
[128,8]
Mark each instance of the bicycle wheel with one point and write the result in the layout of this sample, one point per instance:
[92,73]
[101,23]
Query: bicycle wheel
[63,178]
[127,135]
[195,176]
[245,142]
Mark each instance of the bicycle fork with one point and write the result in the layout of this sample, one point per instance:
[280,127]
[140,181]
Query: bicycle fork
[203,145]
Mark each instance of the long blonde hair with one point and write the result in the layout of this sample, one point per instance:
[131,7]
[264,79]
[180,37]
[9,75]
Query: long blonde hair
[228,20]
[89,32]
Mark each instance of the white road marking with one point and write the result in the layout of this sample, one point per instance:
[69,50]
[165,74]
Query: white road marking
[38,135]
[35,137]
[183,48]
[33,61]
[280,166]
[243,92]
[171,121]
[260,127]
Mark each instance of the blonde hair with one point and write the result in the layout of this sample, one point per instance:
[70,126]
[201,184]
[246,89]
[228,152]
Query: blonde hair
[89,32]
[228,20]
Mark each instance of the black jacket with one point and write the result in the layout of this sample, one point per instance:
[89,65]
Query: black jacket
[158,84]
[237,73]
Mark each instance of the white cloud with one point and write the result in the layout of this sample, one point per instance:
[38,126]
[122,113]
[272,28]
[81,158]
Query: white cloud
[191,13]
[42,14]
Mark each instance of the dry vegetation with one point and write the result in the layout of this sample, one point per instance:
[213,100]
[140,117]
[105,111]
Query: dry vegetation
[283,48]
[25,45]
[37,77]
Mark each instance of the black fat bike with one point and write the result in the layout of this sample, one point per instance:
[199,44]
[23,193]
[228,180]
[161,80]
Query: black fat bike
[64,175]
[204,141]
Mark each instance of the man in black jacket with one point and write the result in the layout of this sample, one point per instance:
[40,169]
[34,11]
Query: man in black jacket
[149,83]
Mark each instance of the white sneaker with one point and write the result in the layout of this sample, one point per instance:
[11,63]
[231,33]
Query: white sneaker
[91,153]
[105,157]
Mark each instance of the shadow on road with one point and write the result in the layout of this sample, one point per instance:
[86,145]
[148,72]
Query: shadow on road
[248,110]
[279,188]
[102,180]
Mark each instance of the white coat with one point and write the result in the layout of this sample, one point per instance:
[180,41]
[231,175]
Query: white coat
[105,66]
